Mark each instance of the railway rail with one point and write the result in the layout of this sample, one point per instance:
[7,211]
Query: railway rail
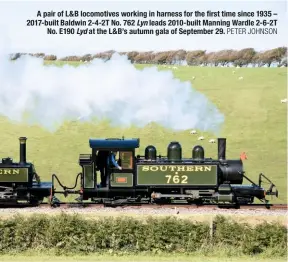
[68,205]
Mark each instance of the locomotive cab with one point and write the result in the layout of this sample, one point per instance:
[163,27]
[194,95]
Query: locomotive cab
[93,165]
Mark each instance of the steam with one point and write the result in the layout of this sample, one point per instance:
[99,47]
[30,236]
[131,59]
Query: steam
[114,90]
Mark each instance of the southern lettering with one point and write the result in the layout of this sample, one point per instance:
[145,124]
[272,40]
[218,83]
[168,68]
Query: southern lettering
[164,168]
[4,171]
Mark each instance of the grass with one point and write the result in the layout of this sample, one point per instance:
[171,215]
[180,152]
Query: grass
[255,122]
[133,258]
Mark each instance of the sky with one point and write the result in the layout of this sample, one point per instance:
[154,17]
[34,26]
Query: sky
[22,38]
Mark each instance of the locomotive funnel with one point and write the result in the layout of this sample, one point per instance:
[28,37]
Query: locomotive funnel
[22,141]
[221,148]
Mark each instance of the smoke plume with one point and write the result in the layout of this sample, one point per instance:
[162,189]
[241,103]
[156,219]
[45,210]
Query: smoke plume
[114,90]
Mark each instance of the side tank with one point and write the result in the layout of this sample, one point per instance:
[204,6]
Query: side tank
[17,173]
[174,152]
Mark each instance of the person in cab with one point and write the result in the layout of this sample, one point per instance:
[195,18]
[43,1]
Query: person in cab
[106,159]
[112,160]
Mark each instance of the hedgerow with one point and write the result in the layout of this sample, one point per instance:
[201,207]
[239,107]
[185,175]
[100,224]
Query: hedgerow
[75,234]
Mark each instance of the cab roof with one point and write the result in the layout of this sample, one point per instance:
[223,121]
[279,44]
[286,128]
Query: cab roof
[114,143]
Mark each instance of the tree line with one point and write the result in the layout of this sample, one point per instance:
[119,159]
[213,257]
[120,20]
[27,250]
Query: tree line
[240,58]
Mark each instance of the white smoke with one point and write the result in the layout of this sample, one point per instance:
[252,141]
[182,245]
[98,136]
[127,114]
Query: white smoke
[114,90]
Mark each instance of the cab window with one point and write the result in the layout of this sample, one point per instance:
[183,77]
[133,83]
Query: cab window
[126,159]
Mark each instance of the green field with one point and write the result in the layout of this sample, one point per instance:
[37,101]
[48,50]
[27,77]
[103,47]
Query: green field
[255,122]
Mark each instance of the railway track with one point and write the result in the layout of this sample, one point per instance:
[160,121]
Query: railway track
[64,205]
[178,206]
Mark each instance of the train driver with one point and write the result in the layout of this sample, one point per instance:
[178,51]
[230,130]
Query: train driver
[106,159]
[112,160]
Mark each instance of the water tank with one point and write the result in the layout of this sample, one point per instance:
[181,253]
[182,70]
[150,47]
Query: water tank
[174,152]
[150,152]
[198,152]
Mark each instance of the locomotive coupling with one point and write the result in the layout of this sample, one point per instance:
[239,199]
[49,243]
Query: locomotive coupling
[272,190]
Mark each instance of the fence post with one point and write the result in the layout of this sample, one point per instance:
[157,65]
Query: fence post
[212,228]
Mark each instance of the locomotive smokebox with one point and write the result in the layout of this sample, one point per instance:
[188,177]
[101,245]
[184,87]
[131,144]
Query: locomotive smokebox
[221,148]
[22,141]
[150,153]
[174,152]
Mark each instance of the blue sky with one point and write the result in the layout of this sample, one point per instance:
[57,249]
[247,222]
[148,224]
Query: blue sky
[13,16]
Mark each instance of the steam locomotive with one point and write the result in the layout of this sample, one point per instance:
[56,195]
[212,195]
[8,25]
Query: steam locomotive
[20,182]
[149,179]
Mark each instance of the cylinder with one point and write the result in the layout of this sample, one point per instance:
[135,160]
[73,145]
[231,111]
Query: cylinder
[221,148]
[198,152]
[22,141]
[150,152]
[174,152]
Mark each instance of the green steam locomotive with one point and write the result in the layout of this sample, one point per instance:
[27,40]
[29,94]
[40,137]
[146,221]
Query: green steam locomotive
[148,179]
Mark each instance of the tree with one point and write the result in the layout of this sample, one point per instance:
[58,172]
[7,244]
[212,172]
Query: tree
[240,58]
[224,57]
[245,56]
[50,57]
[212,58]
[193,57]
[132,55]
[87,57]
[161,58]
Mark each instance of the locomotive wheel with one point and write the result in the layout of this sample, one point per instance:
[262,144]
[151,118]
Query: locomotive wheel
[35,201]
[235,206]
[161,201]
[197,202]
[54,205]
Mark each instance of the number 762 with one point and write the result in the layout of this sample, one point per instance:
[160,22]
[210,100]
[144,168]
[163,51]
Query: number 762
[175,179]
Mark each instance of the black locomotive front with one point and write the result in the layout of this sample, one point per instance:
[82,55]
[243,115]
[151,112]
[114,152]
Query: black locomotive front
[19,180]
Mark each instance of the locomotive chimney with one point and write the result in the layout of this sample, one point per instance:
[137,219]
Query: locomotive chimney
[22,141]
[221,148]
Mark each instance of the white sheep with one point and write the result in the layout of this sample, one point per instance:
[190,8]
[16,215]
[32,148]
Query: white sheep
[212,141]
[193,77]
[240,77]
[175,67]
[192,132]
[201,138]
[284,100]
